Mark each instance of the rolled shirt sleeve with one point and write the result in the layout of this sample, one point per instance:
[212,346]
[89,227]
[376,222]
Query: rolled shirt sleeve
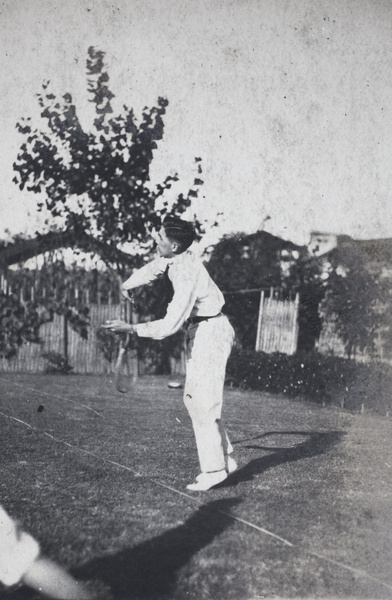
[184,278]
[146,274]
[194,293]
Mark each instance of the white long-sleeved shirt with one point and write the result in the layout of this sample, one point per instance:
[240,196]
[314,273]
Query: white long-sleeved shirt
[195,293]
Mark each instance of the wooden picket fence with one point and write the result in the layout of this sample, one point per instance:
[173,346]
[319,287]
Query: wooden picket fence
[277,331]
[277,327]
[83,355]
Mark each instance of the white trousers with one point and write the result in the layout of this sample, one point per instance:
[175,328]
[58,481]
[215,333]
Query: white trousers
[209,345]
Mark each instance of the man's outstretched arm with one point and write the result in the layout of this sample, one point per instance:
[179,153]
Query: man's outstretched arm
[147,274]
[179,309]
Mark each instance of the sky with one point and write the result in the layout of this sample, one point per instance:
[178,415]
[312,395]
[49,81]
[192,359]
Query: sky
[287,102]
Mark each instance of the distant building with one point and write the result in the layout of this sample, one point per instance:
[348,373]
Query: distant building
[377,253]
[321,242]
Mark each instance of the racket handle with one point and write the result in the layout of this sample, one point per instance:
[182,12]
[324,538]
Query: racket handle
[123,309]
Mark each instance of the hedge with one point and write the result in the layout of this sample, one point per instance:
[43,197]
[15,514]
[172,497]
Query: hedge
[312,376]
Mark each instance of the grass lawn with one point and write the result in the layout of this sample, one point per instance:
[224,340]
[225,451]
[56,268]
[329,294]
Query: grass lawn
[100,479]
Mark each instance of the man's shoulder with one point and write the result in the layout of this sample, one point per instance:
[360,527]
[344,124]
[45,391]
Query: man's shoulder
[158,263]
[186,258]
[186,262]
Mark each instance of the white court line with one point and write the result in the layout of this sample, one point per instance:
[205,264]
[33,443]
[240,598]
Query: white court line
[137,474]
[51,395]
[358,572]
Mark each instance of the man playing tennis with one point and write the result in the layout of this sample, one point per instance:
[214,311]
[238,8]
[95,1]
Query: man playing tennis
[197,303]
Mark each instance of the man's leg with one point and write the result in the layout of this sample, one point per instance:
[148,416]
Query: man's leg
[208,350]
[230,463]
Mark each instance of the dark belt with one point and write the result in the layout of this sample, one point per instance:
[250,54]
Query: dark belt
[194,320]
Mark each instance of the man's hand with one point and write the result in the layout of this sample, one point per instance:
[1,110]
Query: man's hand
[118,326]
[126,294]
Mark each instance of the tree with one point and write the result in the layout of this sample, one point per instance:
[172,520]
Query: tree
[95,184]
[32,298]
[339,288]
[305,278]
[354,300]
[18,323]
[242,265]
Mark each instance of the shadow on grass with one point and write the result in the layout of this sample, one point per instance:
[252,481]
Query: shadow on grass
[316,443]
[149,570]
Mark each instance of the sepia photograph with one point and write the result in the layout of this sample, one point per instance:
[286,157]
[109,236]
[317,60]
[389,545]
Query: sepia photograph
[196,300]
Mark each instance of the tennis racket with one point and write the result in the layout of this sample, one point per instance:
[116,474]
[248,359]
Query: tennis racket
[122,379]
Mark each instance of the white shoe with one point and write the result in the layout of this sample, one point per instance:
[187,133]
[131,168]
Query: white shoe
[205,481]
[231,465]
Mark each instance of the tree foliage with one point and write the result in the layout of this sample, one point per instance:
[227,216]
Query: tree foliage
[305,278]
[32,299]
[97,182]
[354,300]
[339,287]
[244,261]
[19,323]
[242,265]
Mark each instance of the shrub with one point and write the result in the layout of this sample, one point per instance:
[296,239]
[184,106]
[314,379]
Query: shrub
[315,377]
[108,343]
[57,363]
